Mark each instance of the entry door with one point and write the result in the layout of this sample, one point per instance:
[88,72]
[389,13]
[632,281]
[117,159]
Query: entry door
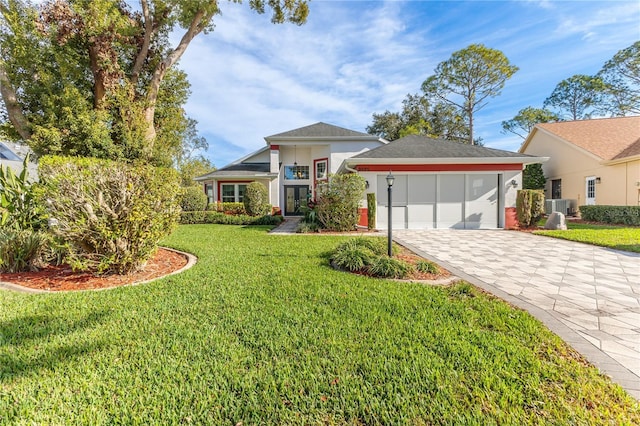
[294,195]
[590,198]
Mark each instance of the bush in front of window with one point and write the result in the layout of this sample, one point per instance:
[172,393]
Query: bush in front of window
[227,208]
[212,217]
[193,199]
[256,200]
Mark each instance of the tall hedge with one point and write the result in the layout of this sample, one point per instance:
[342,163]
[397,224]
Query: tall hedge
[529,207]
[371,210]
[111,214]
[338,200]
[256,199]
[193,199]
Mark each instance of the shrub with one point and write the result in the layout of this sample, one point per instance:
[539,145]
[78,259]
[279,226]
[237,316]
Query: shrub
[622,215]
[371,210]
[219,218]
[529,207]
[308,227]
[228,208]
[353,257]
[193,199]
[338,201]
[427,267]
[256,200]
[23,250]
[388,267]
[111,214]
[19,206]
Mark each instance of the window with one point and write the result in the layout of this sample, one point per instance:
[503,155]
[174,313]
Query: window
[233,193]
[296,172]
[556,189]
[208,189]
[321,170]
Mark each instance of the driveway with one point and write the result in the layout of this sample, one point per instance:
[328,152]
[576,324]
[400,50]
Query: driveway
[587,295]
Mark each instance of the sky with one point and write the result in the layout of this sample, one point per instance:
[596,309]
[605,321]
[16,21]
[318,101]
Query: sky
[251,79]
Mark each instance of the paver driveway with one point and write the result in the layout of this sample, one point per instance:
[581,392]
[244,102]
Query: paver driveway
[589,296]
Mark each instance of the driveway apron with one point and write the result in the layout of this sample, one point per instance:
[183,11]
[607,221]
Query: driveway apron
[587,295]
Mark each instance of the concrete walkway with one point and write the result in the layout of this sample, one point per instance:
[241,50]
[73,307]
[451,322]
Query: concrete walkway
[587,295]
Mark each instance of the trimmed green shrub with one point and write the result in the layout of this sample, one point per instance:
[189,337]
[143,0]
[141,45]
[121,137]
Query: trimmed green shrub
[23,250]
[338,201]
[622,215]
[389,267]
[112,215]
[308,227]
[256,200]
[228,208]
[427,267]
[213,217]
[193,199]
[371,210]
[529,207]
[356,258]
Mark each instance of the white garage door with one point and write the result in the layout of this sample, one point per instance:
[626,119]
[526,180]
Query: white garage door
[463,201]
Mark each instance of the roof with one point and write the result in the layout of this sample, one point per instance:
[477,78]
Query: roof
[422,147]
[607,138]
[240,170]
[321,130]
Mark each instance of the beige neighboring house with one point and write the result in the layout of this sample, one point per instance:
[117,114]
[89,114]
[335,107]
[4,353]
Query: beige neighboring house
[593,162]
[12,156]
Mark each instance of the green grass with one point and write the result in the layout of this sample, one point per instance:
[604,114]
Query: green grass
[263,331]
[611,236]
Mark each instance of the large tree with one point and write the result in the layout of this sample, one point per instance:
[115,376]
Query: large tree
[86,77]
[422,117]
[468,79]
[621,74]
[577,97]
[523,122]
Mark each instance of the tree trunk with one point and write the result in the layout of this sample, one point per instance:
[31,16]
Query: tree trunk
[162,68]
[99,91]
[471,141]
[17,118]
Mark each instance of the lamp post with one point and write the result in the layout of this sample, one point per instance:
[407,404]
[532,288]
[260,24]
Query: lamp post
[390,179]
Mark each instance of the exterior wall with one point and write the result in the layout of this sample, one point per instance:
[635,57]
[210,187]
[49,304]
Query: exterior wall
[573,166]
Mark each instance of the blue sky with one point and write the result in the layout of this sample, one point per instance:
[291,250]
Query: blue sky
[251,79]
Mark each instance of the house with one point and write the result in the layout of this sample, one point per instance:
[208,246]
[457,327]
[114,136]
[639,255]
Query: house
[591,161]
[438,183]
[12,156]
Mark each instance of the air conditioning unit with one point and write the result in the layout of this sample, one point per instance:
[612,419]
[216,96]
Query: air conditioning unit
[566,207]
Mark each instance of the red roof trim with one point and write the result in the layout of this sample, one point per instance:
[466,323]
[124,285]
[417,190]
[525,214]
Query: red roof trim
[437,167]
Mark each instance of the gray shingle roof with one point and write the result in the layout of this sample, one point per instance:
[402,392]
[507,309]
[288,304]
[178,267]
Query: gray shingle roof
[416,146]
[319,130]
[239,170]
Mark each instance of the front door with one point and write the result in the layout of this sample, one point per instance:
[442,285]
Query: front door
[591,191]
[294,195]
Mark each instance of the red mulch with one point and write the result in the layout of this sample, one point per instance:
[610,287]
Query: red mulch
[58,278]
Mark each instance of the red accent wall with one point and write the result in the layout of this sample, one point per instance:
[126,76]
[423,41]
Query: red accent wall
[437,167]
[364,214]
[275,147]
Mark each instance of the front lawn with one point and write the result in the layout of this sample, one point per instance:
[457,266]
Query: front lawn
[263,331]
[611,236]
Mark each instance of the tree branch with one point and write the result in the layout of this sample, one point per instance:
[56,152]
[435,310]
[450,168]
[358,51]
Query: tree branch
[146,42]
[14,110]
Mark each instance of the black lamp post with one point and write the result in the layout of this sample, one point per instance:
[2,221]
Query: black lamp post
[390,179]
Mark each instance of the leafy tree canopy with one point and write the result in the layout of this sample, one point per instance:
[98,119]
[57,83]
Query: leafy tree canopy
[468,79]
[95,78]
[523,122]
[577,97]
[621,75]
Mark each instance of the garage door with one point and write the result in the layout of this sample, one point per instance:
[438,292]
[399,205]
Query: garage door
[463,201]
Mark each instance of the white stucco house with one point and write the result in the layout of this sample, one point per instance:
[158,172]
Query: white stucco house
[438,183]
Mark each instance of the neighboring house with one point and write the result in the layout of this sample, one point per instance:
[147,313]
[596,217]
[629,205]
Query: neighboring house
[591,161]
[12,156]
[439,184]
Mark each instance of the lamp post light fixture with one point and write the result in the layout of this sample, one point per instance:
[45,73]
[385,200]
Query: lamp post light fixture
[390,179]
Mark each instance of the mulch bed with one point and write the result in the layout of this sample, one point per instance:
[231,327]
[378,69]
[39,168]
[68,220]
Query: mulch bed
[63,278]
